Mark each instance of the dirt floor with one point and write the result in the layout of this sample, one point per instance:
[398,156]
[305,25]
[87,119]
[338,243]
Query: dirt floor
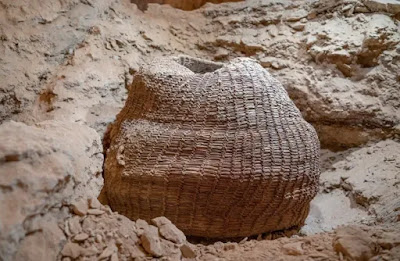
[65,67]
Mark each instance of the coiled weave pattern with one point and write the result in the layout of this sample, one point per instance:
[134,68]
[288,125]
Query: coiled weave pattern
[219,149]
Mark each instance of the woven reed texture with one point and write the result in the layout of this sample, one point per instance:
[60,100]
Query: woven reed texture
[219,149]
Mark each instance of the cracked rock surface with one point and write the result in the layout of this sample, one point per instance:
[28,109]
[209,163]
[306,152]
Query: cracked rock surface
[42,168]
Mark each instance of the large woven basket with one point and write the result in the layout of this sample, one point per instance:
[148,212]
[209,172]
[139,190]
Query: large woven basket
[219,149]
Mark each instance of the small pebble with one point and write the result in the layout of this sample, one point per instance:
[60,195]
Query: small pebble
[81,237]
[94,203]
[114,257]
[80,208]
[187,251]
[98,238]
[107,252]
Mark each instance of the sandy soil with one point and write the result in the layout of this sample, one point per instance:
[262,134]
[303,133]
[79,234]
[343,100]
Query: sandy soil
[64,69]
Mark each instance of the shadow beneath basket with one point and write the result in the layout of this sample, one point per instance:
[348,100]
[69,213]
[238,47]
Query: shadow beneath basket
[264,236]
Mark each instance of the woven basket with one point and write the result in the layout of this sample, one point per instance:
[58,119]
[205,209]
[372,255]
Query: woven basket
[219,149]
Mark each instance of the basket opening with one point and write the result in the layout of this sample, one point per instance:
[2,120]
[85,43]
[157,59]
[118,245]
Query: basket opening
[198,65]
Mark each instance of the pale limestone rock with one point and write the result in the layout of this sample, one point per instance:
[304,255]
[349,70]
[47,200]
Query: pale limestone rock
[168,230]
[296,15]
[187,251]
[81,237]
[64,160]
[72,250]
[298,26]
[74,225]
[160,221]
[108,251]
[354,243]
[293,249]
[41,245]
[95,212]
[151,241]
[141,226]
[80,208]
[389,6]
[94,203]
[114,257]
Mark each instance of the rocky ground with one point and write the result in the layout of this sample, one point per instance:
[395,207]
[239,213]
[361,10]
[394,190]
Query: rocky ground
[64,69]
[97,233]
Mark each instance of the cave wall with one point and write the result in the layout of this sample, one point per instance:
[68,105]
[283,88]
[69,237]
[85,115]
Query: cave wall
[181,4]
